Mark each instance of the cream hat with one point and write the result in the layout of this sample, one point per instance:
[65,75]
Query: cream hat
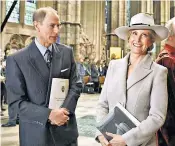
[142,21]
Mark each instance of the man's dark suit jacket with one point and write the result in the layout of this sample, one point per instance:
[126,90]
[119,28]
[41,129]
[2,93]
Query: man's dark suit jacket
[28,89]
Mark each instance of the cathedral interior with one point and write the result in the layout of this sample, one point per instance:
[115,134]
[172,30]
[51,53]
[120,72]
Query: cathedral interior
[86,26]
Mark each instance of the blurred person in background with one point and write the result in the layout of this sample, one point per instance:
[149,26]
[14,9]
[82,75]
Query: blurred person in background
[12,112]
[167,59]
[80,69]
[95,76]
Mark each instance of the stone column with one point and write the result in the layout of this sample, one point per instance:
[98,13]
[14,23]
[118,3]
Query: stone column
[150,7]
[121,20]
[162,12]
[114,21]
[95,24]
[167,10]
[162,22]
[108,30]
[127,22]
[77,37]
[49,4]
[101,30]
[96,41]
[84,11]
[143,6]
[68,19]
[100,26]
[58,8]
[41,4]
[22,12]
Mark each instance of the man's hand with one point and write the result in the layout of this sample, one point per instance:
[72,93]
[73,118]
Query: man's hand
[59,116]
[103,140]
[117,140]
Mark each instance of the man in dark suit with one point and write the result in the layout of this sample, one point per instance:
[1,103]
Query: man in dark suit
[29,77]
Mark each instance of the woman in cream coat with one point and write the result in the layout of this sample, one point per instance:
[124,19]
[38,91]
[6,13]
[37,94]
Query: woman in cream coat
[138,83]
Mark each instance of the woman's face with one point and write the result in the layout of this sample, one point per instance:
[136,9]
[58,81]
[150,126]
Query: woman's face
[140,40]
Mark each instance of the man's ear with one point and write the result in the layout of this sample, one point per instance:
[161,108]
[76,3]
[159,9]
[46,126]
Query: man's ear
[36,25]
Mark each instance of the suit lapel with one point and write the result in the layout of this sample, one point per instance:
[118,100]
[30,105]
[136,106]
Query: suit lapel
[121,74]
[56,61]
[140,72]
[38,62]
[55,69]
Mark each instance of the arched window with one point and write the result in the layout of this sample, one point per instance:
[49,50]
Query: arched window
[14,17]
[30,7]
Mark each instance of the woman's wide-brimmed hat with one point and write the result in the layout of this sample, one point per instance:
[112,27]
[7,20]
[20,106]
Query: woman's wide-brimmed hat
[142,21]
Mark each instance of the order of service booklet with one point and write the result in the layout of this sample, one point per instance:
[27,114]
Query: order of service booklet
[59,90]
[118,121]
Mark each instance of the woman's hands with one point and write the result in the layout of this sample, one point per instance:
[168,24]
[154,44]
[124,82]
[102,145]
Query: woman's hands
[103,141]
[117,140]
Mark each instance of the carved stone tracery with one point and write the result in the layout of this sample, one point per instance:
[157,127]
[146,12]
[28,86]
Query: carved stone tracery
[86,46]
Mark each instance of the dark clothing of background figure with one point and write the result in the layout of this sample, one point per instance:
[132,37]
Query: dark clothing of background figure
[12,112]
[28,82]
[81,72]
[167,59]
[87,69]
[3,88]
[101,71]
[105,68]
[3,94]
[94,77]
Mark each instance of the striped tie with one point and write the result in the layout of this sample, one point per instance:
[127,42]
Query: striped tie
[48,55]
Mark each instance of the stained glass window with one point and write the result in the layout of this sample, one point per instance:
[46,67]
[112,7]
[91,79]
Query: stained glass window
[14,17]
[30,7]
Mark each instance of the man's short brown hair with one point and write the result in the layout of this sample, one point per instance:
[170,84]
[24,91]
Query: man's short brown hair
[41,13]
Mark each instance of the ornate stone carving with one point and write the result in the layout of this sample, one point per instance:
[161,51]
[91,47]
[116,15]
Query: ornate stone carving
[29,40]
[86,46]
[103,55]
[103,52]
[16,41]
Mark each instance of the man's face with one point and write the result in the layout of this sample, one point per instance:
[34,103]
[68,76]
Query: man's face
[48,29]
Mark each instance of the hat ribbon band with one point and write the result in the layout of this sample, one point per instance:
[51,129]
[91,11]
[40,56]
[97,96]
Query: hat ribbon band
[139,24]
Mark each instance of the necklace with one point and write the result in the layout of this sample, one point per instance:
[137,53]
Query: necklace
[133,62]
[129,63]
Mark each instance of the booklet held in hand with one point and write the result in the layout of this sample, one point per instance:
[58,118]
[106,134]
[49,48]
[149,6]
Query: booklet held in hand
[118,121]
[59,91]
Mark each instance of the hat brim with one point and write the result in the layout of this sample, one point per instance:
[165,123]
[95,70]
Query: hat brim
[161,31]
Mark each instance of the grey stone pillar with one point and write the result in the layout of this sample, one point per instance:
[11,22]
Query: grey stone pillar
[114,22]
[121,21]
[150,6]
[77,29]
[143,6]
